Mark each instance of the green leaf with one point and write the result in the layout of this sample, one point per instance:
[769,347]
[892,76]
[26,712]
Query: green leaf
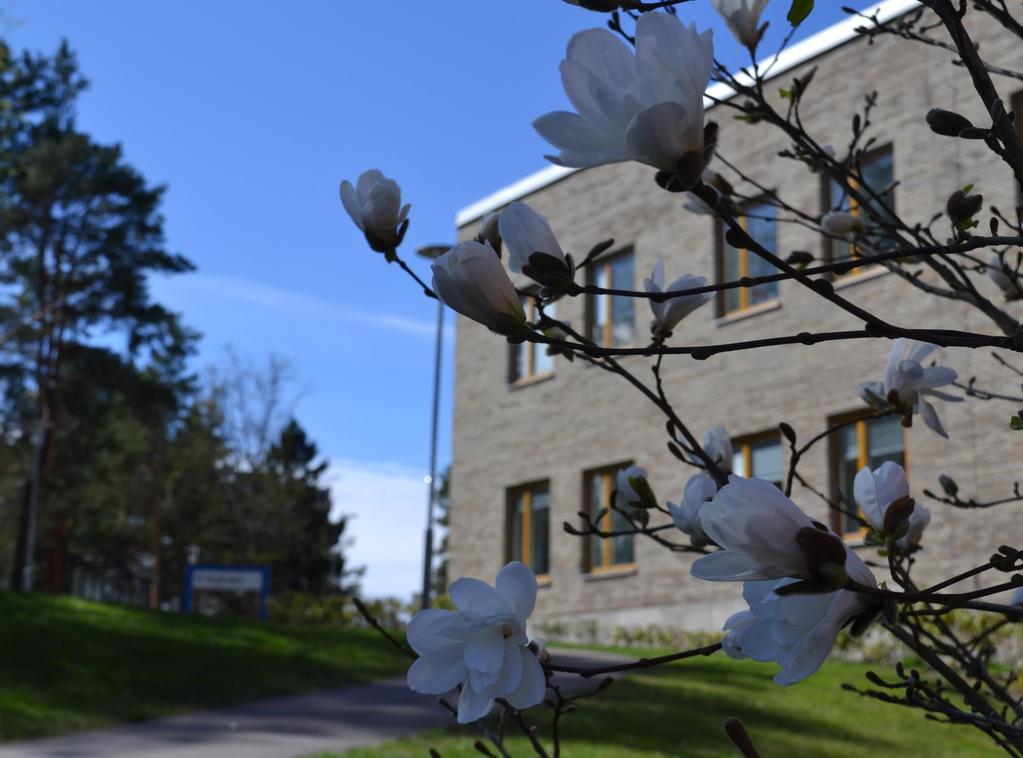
[799,11]
[1016,423]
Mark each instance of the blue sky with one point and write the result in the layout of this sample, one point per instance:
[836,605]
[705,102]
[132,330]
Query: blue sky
[252,112]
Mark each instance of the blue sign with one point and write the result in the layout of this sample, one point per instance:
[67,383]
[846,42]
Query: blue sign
[214,578]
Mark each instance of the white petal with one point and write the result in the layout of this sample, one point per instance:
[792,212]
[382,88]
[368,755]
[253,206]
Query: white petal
[658,136]
[484,651]
[351,203]
[533,684]
[524,232]
[473,705]
[930,417]
[473,595]
[437,673]
[435,629]
[726,566]
[518,586]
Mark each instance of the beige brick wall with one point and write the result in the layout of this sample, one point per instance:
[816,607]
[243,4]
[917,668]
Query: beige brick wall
[583,418]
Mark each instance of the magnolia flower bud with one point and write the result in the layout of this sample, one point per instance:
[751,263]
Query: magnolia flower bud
[840,223]
[699,490]
[883,497]
[470,279]
[947,123]
[962,206]
[743,18]
[948,485]
[490,232]
[669,313]
[375,206]
[532,247]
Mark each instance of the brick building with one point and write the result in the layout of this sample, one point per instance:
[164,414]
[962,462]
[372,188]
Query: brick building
[538,439]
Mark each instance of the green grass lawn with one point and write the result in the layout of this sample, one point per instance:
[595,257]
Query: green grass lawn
[679,710]
[67,664]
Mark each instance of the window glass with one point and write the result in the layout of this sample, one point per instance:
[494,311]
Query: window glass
[760,221]
[617,550]
[530,527]
[622,308]
[540,532]
[611,320]
[544,363]
[766,458]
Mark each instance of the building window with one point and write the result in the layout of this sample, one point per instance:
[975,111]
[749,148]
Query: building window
[529,522]
[614,552]
[867,442]
[877,172]
[760,456]
[759,219]
[529,360]
[611,321]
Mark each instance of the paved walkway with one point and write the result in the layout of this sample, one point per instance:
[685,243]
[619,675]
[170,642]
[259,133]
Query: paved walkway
[286,727]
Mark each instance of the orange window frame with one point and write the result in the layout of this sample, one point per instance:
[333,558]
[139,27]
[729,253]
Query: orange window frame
[529,306]
[607,332]
[854,207]
[862,459]
[607,484]
[526,492]
[743,255]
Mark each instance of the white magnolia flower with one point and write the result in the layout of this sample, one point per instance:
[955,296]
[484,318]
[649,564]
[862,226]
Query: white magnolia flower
[625,494]
[375,206]
[912,383]
[470,279]
[699,490]
[795,631]
[840,223]
[1002,275]
[743,18]
[670,312]
[875,491]
[524,232]
[646,107]
[481,646]
[490,231]
[760,531]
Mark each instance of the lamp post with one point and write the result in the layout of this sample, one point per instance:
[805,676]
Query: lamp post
[432,252]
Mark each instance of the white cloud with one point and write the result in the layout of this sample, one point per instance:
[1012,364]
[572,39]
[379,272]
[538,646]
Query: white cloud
[293,302]
[387,505]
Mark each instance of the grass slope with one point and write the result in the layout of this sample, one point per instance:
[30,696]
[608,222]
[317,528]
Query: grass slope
[67,664]
[679,710]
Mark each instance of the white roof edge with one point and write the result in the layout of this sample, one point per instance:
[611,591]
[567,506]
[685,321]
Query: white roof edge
[809,48]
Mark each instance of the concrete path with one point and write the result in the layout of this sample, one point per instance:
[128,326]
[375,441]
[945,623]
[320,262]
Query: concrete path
[286,727]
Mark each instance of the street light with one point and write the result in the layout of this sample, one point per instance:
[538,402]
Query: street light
[432,252]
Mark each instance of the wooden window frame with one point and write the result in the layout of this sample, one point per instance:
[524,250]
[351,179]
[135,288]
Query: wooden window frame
[604,263]
[828,201]
[860,419]
[531,375]
[526,491]
[607,474]
[745,293]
